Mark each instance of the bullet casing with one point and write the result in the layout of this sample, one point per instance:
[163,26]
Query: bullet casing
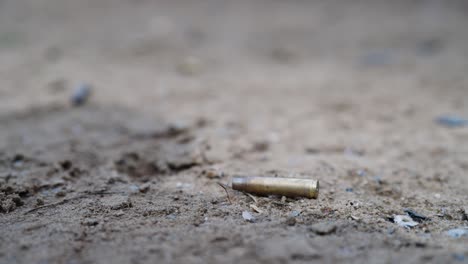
[290,187]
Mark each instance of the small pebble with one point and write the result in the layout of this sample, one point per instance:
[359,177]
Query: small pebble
[121,203]
[248,217]
[134,189]
[349,189]
[18,164]
[295,213]
[351,152]
[90,222]
[463,214]
[260,146]
[181,185]
[66,164]
[7,206]
[39,202]
[416,216]
[119,213]
[378,180]
[452,121]
[212,174]
[24,246]
[81,94]
[60,194]
[291,221]
[144,188]
[404,221]
[18,160]
[324,228]
[171,216]
[361,173]
[458,232]
[458,256]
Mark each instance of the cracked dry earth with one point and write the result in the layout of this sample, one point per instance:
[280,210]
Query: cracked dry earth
[187,94]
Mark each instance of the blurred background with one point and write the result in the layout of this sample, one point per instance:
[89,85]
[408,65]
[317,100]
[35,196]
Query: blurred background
[206,54]
[286,66]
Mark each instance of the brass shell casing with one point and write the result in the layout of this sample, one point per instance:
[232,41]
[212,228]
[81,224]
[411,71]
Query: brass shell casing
[290,187]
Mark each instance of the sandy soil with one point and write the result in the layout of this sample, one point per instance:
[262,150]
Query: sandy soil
[187,94]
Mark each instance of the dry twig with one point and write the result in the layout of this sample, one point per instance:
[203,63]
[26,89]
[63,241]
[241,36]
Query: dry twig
[225,189]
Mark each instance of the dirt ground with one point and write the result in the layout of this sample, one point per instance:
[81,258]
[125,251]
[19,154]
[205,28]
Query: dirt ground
[187,94]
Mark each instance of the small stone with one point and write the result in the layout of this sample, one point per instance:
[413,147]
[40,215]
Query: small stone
[66,165]
[121,203]
[171,216]
[464,215]
[355,218]
[451,121]
[18,160]
[133,188]
[18,157]
[39,202]
[119,213]
[312,150]
[323,229]
[458,257]
[7,206]
[212,174]
[291,221]
[16,199]
[24,246]
[144,188]
[90,222]
[261,146]
[81,94]
[361,173]
[458,232]
[294,213]
[349,189]
[61,194]
[18,164]
[351,152]
[378,180]
[404,221]
[416,216]
[181,185]
[248,217]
